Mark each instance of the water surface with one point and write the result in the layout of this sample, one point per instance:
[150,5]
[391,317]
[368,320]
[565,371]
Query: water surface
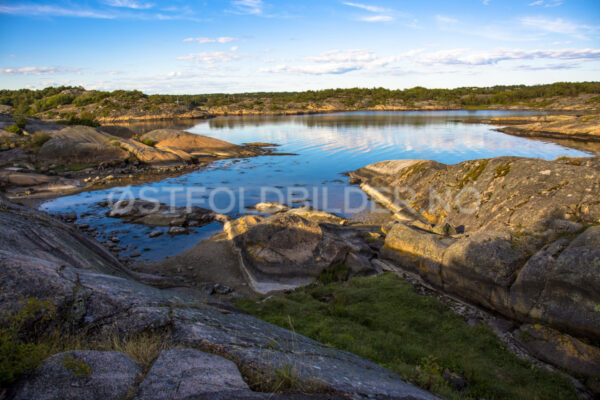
[325,145]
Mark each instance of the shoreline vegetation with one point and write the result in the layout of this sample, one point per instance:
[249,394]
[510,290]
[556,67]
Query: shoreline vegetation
[76,105]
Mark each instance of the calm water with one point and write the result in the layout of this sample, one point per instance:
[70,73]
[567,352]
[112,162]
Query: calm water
[326,146]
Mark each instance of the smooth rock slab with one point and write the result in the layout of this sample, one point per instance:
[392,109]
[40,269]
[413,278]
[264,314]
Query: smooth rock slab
[181,373]
[85,374]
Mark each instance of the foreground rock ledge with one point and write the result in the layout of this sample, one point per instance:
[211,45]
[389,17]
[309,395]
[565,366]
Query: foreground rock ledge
[531,248]
[89,298]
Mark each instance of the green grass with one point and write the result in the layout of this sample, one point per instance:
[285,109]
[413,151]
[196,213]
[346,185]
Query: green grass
[383,319]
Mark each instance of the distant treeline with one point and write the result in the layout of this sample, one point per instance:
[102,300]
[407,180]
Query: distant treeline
[31,102]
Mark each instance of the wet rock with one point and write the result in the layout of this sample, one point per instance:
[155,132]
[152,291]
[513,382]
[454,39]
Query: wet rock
[185,373]
[159,214]
[155,233]
[83,374]
[135,254]
[177,230]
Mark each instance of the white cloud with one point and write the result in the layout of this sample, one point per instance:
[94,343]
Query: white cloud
[446,20]
[556,25]
[546,3]
[334,62]
[129,4]
[254,7]
[233,48]
[367,7]
[464,57]
[53,11]
[377,18]
[353,55]
[202,40]
[210,57]
[486,2]
[37,70]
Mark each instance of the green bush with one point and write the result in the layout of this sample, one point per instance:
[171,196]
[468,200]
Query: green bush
[14,129]
[16,355]
[149,142]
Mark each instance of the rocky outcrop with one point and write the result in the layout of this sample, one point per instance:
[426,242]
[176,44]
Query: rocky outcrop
[525,251]
[90,300]
[191,143]
[183,373]
[575,127]
[559,349]
[291,249]
[503,194]
[560,285]
[101,375]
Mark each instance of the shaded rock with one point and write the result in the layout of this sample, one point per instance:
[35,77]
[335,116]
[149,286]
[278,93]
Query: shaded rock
[288,250]
[559,349]
[183,373]
[82,144]
[417,250]
[456,380]
[482,268]
[220,289]
[444,229]
[82,374]
[560,285]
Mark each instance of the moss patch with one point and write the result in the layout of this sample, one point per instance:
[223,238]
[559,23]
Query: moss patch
[473,174]
[383,319]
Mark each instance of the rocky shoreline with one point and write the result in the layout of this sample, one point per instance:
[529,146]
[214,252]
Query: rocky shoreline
[50,160]
[509,236]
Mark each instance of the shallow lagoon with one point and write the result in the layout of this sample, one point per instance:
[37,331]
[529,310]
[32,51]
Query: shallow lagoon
[325,146]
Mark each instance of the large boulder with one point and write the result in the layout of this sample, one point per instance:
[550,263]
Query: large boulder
[83,374]
[79,144]
[288,250]
[190,142]
[183,373]
[560,285]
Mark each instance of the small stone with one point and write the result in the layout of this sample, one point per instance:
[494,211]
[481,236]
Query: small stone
[135,254]
[177,230]
[457,381]
[220,289]
[155,233]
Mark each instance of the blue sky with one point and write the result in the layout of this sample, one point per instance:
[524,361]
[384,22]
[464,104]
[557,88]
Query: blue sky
[264,45]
